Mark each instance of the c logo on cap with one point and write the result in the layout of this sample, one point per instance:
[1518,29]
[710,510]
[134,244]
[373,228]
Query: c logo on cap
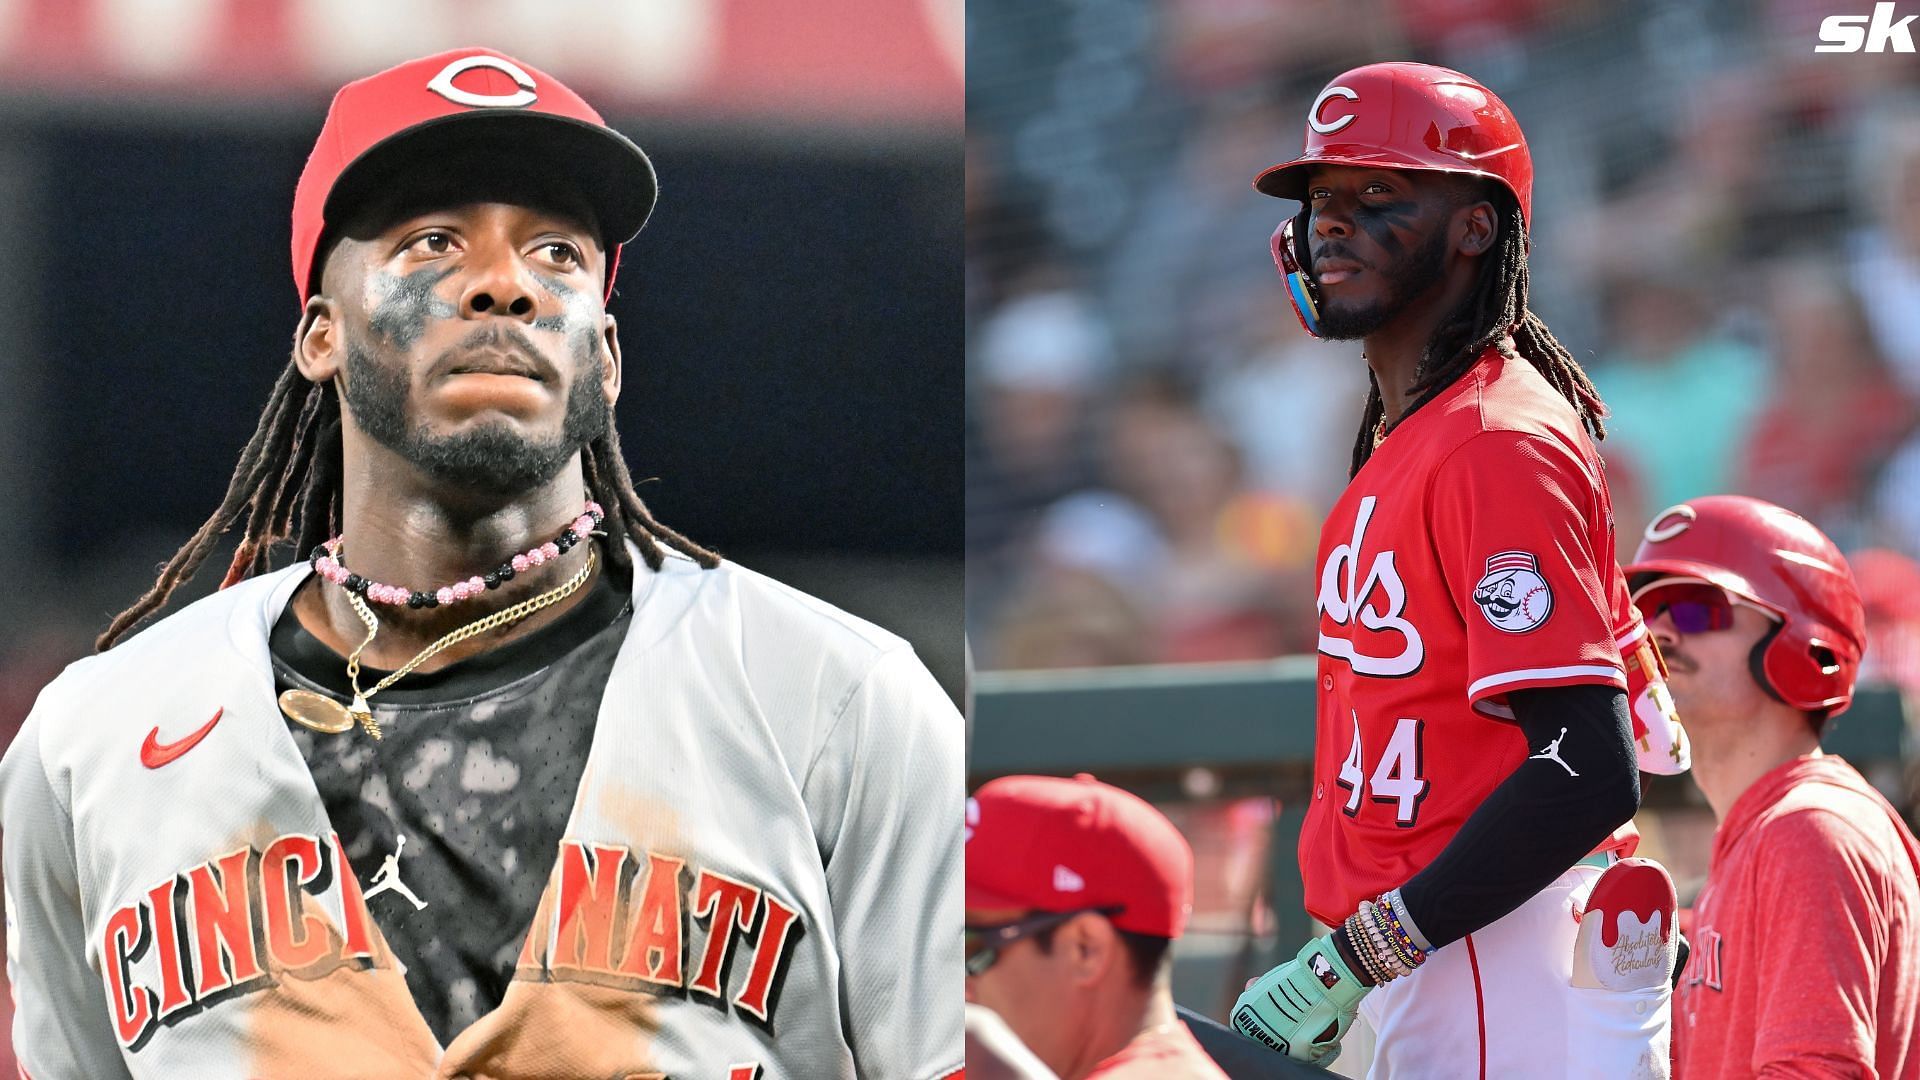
[1670,523]
[442,84]
[1313,115]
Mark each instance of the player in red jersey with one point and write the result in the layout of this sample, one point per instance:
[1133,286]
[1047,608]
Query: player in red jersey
[1807,936]
[1475,749]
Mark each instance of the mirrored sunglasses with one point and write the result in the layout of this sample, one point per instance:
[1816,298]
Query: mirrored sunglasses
[1694,607]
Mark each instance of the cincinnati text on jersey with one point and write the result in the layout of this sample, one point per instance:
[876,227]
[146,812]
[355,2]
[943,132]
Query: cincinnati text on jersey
[240,922]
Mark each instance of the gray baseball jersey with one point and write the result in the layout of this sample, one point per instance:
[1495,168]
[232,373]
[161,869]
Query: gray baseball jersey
[463,802]
[760,875]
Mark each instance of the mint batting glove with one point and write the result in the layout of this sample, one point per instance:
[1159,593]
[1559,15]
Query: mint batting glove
[1303,1007]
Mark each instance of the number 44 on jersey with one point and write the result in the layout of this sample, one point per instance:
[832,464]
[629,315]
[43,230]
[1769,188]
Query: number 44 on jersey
[1396,775]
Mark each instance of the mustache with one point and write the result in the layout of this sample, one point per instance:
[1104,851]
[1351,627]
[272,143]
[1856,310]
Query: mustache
[496,338]
[1334,249]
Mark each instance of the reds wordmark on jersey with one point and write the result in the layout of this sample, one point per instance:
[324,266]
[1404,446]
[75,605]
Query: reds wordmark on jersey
[1473,555]
[760,868]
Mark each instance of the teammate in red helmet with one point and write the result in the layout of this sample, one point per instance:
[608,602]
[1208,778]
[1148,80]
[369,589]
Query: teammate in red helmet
[1475,773]
[1807,936]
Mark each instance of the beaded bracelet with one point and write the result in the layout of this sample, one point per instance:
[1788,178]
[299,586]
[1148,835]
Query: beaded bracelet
[1399,905]
[1367,942]
[1372,928]
[1363,950]
[1398,956]
[1382,940]
[1397,935]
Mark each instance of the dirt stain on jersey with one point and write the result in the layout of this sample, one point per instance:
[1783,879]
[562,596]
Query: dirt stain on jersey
[353,1021]
[555,1029]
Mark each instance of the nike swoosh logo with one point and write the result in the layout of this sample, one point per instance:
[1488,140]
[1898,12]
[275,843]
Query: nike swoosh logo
[154,753]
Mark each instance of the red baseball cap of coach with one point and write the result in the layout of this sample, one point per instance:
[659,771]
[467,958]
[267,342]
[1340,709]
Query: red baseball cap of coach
[441,107]
[1041,843]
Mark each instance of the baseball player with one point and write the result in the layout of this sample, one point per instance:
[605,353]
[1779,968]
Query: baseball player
[1806,938]
[1076,891]
[662,816]
[1475,749]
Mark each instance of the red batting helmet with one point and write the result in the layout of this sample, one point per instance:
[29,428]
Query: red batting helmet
[1410,116]
[1776,559]
[1396,116]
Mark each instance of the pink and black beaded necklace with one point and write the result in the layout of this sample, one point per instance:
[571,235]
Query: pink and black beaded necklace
[321,713]
[327,561]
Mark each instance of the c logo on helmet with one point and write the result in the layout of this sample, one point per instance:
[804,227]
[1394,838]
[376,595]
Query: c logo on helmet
[1313,115]
[1670,523]
[442,84]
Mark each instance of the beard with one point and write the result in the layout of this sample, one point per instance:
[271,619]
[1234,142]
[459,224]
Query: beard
[1408,281]
[489,457]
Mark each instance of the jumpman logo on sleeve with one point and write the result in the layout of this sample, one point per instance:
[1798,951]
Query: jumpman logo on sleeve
[387,878]
[1552,753]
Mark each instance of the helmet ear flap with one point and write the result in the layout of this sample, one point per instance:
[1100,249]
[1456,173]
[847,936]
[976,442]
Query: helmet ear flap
[1757,661]
[1290,257]
[1800,671]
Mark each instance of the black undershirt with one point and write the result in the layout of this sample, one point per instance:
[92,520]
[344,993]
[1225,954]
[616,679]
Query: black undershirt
[1540,820]
[478,769]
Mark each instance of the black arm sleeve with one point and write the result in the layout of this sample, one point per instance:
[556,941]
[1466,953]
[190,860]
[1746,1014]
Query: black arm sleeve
[1541,819]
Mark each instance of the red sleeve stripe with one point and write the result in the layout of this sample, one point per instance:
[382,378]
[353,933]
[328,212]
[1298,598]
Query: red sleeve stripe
[1547,676]
[1479,1004]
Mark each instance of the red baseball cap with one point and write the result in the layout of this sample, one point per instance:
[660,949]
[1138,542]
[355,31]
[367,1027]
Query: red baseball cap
[1041,843]
[407,117]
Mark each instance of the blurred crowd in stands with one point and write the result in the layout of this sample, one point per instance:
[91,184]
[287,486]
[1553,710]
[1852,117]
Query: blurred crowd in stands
[1727,237]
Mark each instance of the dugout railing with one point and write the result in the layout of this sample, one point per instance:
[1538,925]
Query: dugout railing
[1247,729]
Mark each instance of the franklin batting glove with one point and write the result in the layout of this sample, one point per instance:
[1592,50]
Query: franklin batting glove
[1303,1007]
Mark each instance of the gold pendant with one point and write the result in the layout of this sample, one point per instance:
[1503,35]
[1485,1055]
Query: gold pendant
[316,711]
[359,711]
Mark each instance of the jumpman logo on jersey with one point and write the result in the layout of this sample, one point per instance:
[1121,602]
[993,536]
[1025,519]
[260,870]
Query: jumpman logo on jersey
[1552,753]
[387,878]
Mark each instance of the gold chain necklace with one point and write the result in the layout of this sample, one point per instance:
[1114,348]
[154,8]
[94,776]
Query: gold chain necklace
[323,714]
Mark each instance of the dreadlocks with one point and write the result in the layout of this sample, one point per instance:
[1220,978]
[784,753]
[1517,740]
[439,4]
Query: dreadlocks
[1496,309]
[290,472]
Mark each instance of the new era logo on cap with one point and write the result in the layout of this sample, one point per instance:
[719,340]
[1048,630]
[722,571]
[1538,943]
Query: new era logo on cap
[1065,880]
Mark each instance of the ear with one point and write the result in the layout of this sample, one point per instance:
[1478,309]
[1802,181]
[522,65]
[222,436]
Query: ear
[1093,947]
[610,360]
[1478,228]
[319,345]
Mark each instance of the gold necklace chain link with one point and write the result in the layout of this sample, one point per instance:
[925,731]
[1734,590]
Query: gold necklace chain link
[359,709]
